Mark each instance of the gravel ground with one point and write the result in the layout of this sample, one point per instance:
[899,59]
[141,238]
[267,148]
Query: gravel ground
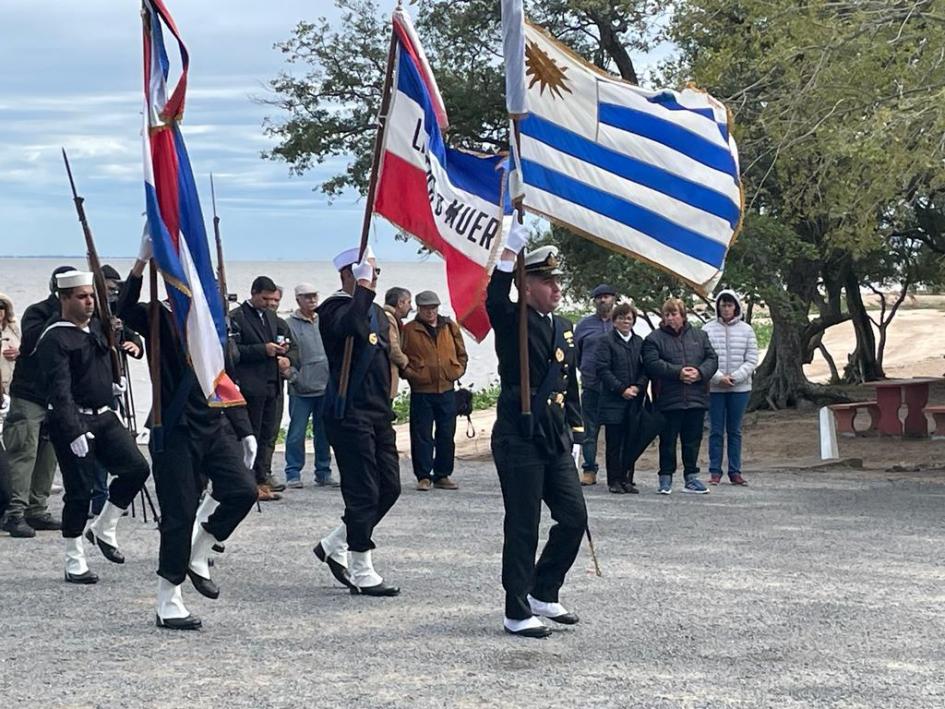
[811,588]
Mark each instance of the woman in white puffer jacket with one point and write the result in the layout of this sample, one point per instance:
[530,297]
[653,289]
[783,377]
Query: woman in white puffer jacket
[737,347]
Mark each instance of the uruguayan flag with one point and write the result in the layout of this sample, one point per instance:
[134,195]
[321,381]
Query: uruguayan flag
[653,174]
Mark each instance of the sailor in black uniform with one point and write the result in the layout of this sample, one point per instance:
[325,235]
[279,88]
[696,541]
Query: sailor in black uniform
[535,461]
[83,427]
[198,440]
[359,425]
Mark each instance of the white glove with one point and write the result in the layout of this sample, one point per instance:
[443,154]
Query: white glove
[118,388]
[364,271]
[249,451]
[576,454]
[80,446]
[517,238]
[146,248]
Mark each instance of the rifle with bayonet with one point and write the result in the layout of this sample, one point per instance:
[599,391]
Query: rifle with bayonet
[221,270]
[101,291]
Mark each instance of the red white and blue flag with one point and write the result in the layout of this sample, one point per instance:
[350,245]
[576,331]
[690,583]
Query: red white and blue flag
[175,221]
[450,200]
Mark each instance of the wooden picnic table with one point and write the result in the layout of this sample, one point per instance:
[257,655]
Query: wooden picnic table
[891,394]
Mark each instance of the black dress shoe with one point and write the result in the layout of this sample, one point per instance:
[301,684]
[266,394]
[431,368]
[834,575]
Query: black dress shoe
[191,622]
[86,578]
[205,587]
[337,570]
[631,488]
[219,547]
[564,619]
[44,523]
[18,527]
[541,632]
[381,590]
[108,551]
[617,489]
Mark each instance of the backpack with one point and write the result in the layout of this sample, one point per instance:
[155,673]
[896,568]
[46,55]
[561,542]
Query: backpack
[464,407]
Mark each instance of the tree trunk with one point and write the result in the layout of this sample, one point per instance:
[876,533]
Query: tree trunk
[863,365]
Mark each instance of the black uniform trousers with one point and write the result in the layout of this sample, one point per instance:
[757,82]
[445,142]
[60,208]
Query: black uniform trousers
[620,468]
[528,474]
[366,455]
[685,425]
[178,470]
[115,449]
[265,414]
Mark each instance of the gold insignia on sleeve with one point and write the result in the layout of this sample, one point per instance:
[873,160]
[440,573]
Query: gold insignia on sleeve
[372,338]
[559,354]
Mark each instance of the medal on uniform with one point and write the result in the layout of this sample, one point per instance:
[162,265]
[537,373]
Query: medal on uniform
[559,354]
[372,338]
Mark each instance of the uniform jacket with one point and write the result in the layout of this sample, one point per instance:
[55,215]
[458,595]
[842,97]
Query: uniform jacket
[619,365]
[665,353]
[398,360]
[737,347]
[77,367]
[197,416]
[437,355]
[558,424]
[342,315]
[28,380]
[309,373]
[257,373]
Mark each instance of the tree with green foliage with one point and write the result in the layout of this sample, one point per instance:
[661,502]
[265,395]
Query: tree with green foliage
[839,116]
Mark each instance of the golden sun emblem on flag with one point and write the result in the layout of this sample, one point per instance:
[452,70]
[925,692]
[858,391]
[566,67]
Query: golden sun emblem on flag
[544,71]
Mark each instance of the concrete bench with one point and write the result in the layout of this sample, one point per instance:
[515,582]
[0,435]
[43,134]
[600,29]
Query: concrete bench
[846,413]
[938,416]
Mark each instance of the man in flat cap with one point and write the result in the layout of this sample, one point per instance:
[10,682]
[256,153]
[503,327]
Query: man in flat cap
[83,427]
[536,460]
[359,422]
[587,335]
[434,345]
[307,377]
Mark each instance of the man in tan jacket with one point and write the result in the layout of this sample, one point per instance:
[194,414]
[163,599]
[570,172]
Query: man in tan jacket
[396,306]
[434,345]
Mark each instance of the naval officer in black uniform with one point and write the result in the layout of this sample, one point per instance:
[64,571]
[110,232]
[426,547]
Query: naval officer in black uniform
[360,424]
[198,440]
[536,462]
[83,426]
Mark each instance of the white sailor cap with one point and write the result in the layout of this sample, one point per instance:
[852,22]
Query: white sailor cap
[73,279]
[543,261]
[349,257]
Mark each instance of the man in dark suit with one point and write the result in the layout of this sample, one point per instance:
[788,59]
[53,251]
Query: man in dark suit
[261,355]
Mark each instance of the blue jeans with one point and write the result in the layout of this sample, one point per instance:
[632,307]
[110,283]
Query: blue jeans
[725,419]
[590,401]
[303,409]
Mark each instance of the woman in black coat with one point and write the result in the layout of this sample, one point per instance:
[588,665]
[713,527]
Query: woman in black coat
[619,365]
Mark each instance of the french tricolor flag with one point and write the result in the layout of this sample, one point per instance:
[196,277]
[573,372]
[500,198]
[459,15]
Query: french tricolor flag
[175,221]
[450,200]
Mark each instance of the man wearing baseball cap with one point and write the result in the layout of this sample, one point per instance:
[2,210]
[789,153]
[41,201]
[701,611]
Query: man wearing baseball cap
[586,337]
[308,377]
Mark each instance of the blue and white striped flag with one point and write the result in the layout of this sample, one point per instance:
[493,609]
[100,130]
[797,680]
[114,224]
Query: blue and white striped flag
[653,174]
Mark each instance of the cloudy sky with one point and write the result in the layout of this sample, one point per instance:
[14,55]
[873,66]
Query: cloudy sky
[72,77]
